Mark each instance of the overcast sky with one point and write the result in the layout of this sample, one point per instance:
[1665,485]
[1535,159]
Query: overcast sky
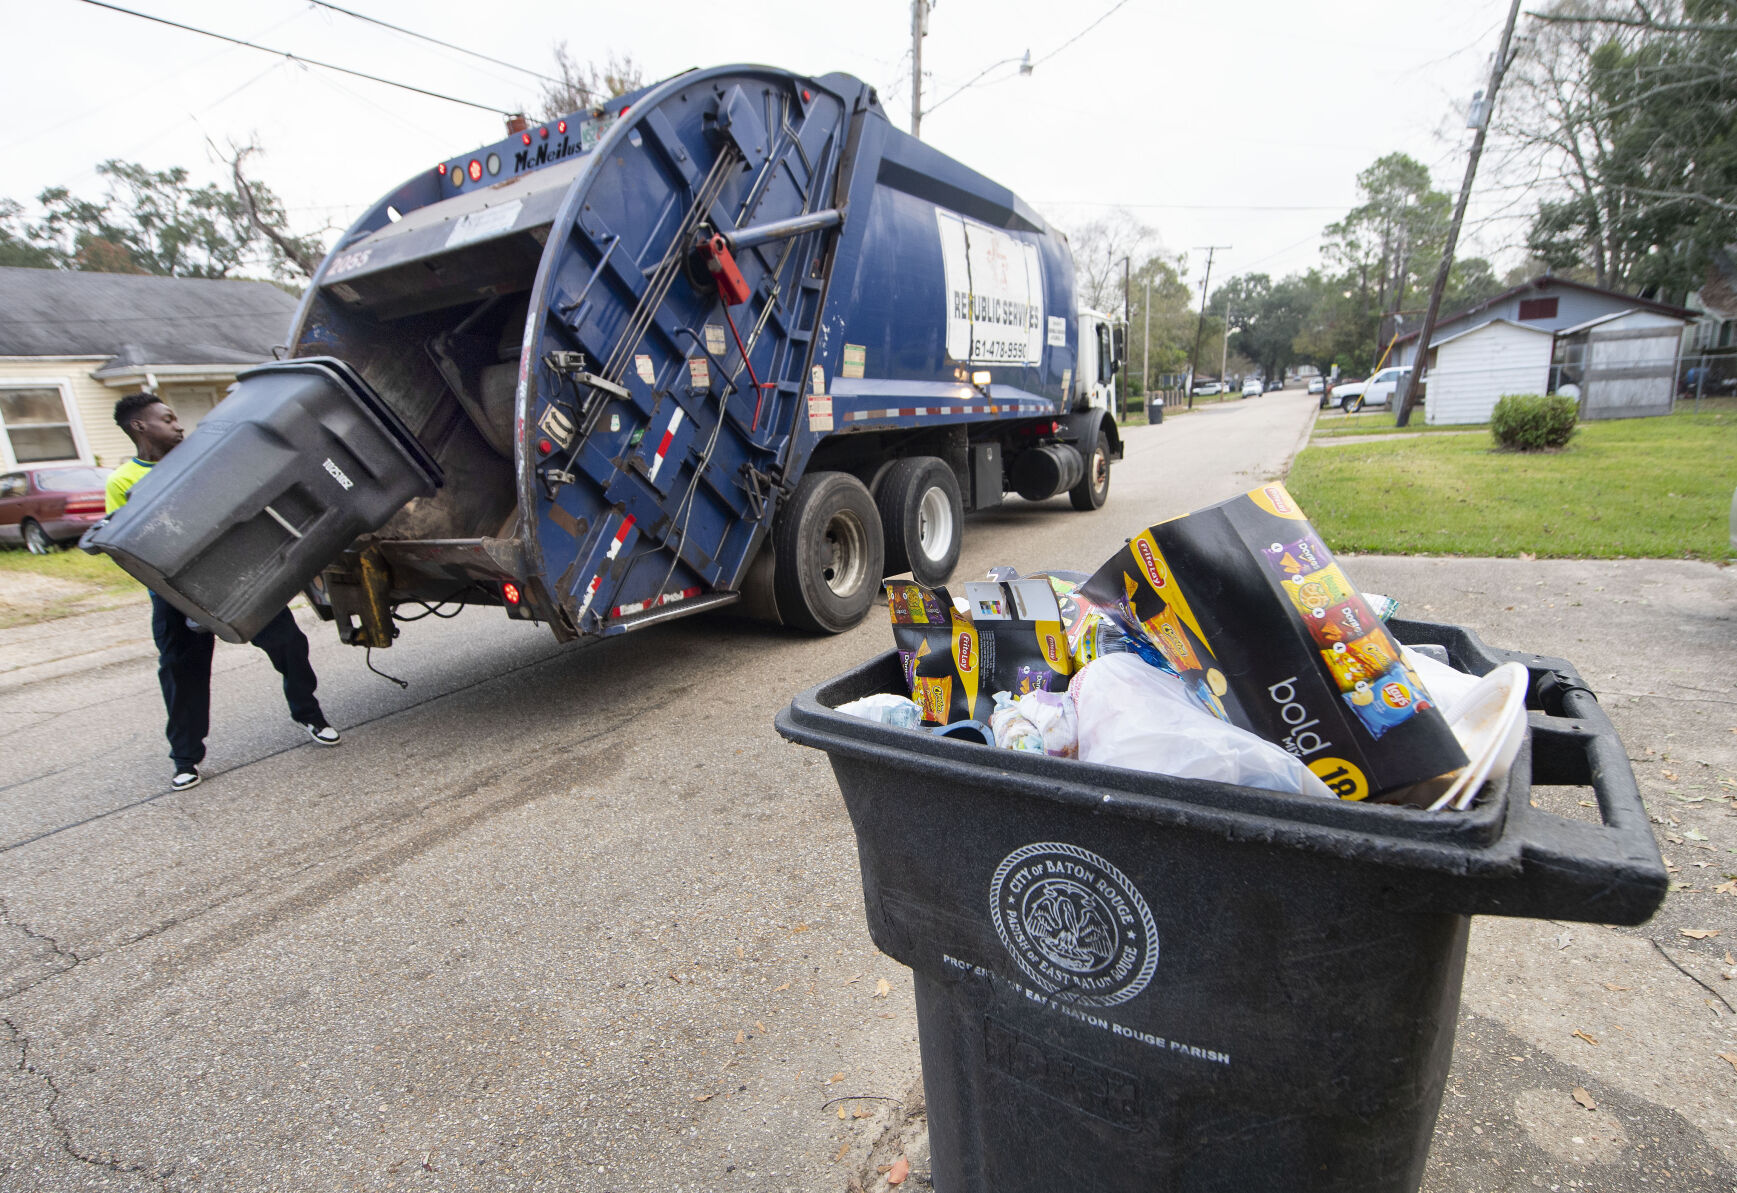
[1242,122]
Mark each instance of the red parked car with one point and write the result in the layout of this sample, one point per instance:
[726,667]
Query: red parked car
[44,507]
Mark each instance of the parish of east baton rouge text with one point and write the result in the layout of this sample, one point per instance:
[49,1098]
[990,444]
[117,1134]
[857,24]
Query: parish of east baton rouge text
[1087,1017]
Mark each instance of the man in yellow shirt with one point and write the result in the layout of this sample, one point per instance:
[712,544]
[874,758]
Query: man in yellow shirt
[184,647]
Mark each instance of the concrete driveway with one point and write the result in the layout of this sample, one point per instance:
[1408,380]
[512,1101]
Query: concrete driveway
[575,918]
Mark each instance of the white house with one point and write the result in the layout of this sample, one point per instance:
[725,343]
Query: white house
[1472,369]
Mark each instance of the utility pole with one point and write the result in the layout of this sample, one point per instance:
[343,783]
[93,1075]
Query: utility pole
[1481,118]
[1127,329]
[1146,353]
[1224,353]
[1200,325]
[919,28]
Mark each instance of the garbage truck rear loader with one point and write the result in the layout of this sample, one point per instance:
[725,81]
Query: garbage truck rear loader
[733,338]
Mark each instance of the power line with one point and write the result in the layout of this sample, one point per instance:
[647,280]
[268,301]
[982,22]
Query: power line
[1028,66]
[144,16]
[1070,41]
[436,41]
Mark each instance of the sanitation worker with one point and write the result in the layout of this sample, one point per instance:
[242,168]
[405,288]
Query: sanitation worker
[183,646]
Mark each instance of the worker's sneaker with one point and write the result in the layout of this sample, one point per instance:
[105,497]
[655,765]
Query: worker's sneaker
[185,779]
[323,735]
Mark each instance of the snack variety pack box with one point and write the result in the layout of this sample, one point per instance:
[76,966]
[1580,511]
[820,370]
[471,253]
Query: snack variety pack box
[1247,605]
[1009,639]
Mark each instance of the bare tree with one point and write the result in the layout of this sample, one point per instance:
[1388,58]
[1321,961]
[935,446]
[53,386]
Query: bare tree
[587,84]
[1099,247]
[266,216]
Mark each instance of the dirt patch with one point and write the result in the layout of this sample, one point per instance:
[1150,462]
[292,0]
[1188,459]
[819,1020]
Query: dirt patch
[27,597]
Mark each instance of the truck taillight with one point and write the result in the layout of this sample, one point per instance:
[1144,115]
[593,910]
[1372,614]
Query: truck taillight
[561,127]
[510,592]
[543,132]
[525,138]
[441,168]
[475,170]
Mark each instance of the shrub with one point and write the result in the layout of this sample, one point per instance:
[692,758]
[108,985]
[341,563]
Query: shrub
[1533,422]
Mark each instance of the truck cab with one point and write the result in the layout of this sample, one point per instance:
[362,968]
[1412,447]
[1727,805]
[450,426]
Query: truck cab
[1102,346]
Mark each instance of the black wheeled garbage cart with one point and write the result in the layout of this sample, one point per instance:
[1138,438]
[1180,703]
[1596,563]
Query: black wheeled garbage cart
[1128,981]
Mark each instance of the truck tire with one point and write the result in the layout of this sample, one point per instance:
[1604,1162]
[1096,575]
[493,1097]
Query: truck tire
[828,553]
[1094,488]
[922,519]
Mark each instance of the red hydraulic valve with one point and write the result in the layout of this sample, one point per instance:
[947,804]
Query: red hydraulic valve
[721,263]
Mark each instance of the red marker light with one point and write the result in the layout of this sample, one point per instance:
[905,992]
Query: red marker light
[525,137]
[561,127]
[623,111]
[475,170]
[544,447]
[441,168]
[807,96]
[510,591]
[543,132]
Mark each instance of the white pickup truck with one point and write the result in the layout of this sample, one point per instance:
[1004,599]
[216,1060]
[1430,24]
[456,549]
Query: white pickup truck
[1377,391]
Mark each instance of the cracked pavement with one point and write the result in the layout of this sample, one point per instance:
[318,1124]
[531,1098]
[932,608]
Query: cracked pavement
[561,918]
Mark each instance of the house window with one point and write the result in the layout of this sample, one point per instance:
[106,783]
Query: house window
[34,424]
[1537,308]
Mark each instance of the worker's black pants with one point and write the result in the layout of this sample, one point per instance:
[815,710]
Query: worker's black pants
[184,671]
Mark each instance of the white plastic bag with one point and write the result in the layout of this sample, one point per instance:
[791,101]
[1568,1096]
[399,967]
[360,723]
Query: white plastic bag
[1133,715]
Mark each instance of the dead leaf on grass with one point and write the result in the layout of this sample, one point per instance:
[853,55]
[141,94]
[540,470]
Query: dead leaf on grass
[1584,1098]
[883,988]
[1584,1036]
[1730,1058]
[1727,888]
[782,988]
[1670,776]
[843,1151]
[1699,933]
[835,1079]
[899,1171]
[862,1114]
[841,1112]
[741,1037]
[704,1097]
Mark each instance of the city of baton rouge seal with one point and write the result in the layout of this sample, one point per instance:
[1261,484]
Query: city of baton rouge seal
[1074,923]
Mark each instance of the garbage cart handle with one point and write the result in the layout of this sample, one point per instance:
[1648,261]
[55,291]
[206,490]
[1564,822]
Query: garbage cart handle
[1608,873]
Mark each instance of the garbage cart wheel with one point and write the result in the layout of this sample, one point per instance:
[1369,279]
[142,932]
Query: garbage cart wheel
[1094,488]
[828,549]
[922,519]
[36,539]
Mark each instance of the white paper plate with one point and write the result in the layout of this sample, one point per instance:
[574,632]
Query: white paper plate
[1490,723]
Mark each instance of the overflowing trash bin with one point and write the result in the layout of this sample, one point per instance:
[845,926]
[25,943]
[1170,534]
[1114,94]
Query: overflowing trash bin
[1131,981]
[302,457]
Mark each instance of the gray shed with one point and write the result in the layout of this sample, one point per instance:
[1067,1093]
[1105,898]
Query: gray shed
[1621,365]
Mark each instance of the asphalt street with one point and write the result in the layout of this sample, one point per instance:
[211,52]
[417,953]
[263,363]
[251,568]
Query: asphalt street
[574,917]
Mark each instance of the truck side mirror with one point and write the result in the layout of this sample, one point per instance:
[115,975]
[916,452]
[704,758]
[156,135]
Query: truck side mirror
[1121,346]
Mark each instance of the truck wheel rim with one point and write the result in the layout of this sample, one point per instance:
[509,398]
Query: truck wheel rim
[1100,468]
[846,553]
[935,524]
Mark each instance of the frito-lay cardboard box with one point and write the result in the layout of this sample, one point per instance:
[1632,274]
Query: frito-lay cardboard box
[1248,606]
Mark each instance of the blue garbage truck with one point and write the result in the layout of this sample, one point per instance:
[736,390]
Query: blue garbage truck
[729,339]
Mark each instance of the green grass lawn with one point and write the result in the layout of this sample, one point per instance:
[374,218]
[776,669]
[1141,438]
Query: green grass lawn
[1639,488]
[1378,422]
[37,588]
